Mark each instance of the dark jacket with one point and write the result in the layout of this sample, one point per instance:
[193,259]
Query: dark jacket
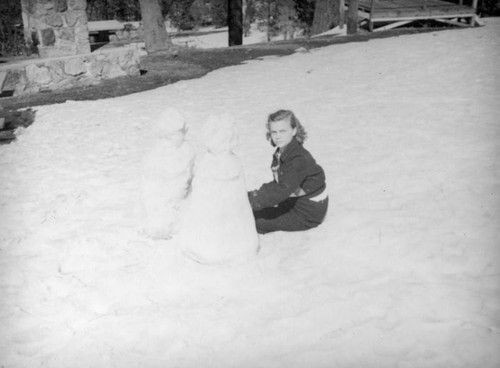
[296,175]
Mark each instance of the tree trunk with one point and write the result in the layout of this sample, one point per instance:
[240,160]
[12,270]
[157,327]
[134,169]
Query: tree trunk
[326,16]
[352,17]
[155,33]
[235,22]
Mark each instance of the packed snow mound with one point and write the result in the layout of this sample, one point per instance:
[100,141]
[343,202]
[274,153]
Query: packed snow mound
[218,225]
[170,121]
[165,183]
[220,134]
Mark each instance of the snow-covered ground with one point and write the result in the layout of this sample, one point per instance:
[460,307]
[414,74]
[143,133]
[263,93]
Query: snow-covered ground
[405,271]
[216,38]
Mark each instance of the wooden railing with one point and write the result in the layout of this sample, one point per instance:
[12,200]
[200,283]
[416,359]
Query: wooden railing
[473,4]
[400,12]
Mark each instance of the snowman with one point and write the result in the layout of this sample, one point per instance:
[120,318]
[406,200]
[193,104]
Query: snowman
[218,225]
[165,176]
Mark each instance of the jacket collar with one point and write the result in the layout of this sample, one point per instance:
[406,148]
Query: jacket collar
[288,149]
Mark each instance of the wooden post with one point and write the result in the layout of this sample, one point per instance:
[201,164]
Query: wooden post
[352,17]
[474,18]
[372,12]
[342,14]
[269,17]
[235,22]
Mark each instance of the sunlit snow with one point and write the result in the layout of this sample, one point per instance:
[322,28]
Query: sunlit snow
[405,271]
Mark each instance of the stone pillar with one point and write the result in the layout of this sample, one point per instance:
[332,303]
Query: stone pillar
[56,27]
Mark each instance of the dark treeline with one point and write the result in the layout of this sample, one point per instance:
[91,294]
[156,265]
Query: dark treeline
[182,13]
[277,16]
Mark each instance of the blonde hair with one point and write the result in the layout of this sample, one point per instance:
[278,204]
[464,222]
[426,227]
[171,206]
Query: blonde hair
[279,115]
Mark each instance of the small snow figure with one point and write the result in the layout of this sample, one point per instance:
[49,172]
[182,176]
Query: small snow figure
[218,224]
[166,175]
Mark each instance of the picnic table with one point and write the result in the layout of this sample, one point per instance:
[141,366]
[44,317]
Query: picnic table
[100,30]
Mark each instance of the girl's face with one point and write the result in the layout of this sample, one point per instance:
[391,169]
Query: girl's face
[282,132]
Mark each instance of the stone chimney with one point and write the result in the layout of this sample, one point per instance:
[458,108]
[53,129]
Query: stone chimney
[56,27]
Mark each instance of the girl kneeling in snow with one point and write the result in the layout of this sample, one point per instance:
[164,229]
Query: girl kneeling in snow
[296,199]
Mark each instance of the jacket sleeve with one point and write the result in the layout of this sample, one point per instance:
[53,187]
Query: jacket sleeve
[291,174]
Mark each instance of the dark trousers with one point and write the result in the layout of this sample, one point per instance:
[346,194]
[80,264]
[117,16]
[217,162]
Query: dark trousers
[293,214]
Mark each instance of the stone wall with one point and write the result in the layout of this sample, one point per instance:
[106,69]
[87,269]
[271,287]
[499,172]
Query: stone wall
[56,27]
[38,75]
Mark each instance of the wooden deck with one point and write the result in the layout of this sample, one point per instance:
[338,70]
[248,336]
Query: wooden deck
[395,13]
